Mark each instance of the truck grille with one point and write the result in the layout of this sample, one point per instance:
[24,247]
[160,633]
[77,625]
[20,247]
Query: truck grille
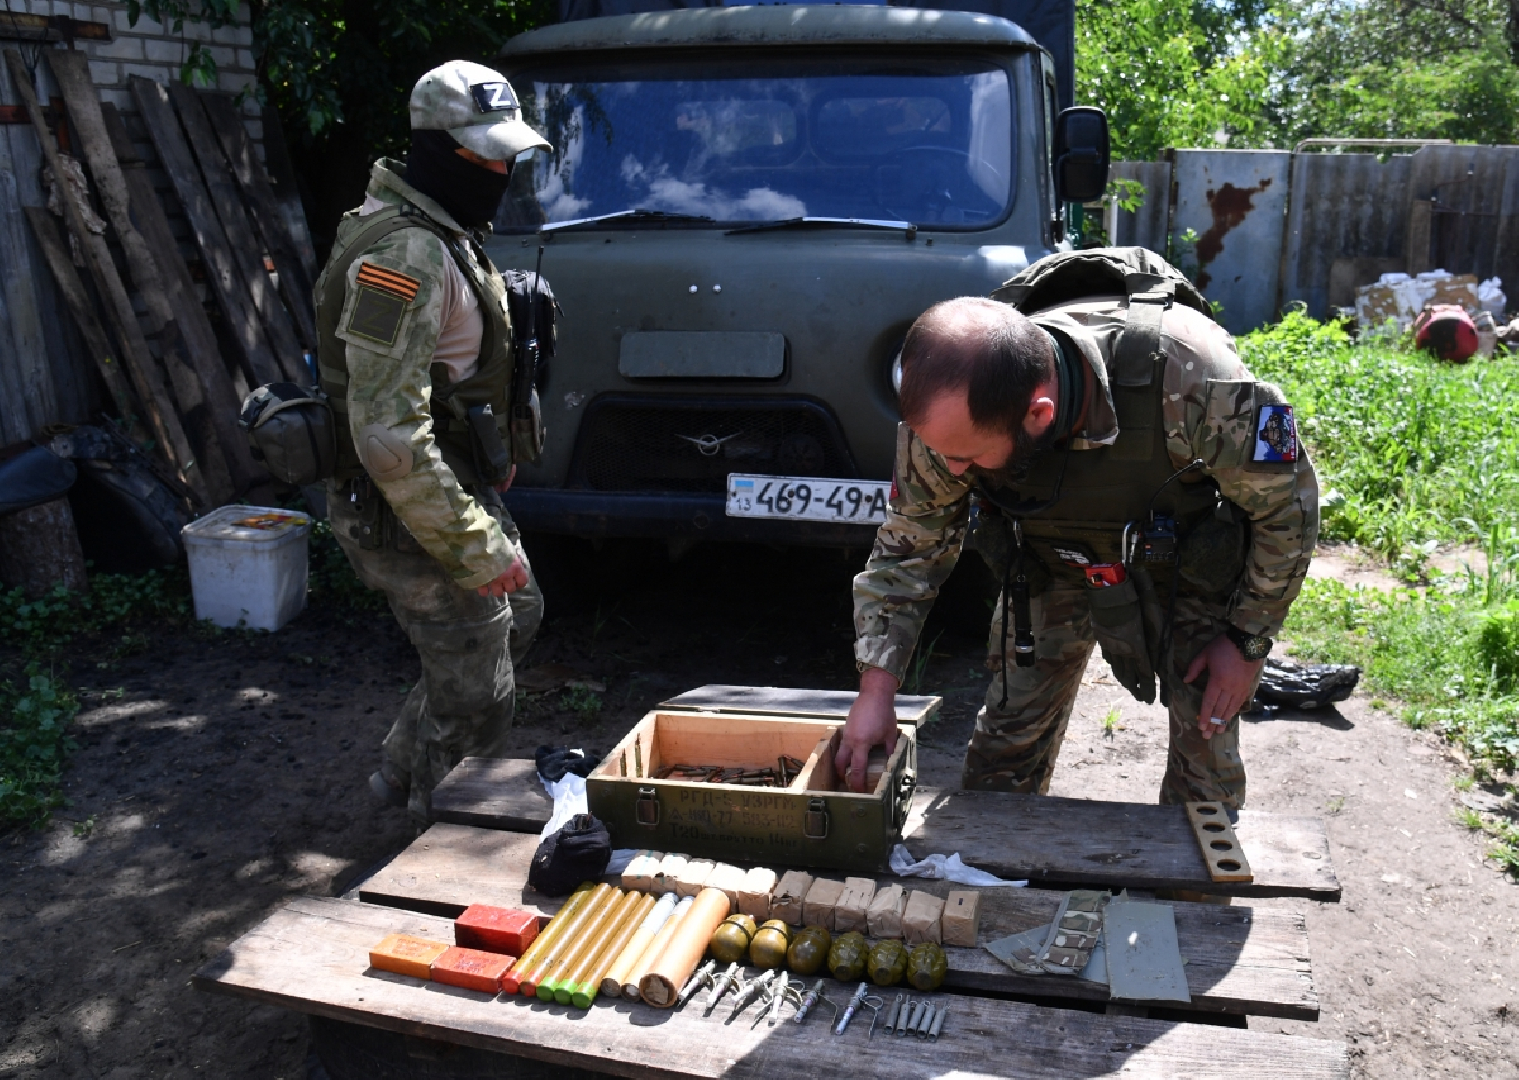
[633,443]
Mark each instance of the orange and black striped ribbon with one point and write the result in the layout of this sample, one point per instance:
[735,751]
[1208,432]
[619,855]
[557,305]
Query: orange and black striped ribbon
[389,281]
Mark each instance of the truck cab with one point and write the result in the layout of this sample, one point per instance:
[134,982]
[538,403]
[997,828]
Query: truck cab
[743,211]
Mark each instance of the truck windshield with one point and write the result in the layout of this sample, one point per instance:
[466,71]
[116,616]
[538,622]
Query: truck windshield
[927,142]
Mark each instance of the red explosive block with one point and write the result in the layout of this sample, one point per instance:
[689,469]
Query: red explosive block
[497,930]
[406,955]
[472,969]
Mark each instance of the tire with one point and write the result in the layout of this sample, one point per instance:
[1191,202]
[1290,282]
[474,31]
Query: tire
[357,1052]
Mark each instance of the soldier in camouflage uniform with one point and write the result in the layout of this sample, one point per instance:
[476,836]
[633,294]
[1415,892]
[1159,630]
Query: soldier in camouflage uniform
[415,340]
[1229,597]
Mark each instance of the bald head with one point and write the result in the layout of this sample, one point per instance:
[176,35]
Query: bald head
[987,354]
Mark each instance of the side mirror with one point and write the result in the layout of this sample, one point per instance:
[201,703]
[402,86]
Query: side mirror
[1081,152]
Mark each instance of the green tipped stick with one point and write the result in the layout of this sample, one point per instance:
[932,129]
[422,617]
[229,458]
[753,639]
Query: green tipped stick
[584,991]
[595,941]
[579,944]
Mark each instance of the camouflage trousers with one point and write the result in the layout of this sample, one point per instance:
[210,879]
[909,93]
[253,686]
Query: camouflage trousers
[1015,745]
[462,705]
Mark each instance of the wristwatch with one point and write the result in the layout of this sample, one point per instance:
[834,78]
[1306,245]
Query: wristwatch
[1251,646]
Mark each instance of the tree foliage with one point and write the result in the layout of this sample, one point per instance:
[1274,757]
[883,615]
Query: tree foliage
[1271,72]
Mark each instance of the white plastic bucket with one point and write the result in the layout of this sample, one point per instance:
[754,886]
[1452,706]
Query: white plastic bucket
[248,565]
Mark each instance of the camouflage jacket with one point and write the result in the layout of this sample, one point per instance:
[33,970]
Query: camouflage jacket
[390,389]
[1204,417]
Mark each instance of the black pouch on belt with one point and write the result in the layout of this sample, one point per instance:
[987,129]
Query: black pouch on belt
[1118,624]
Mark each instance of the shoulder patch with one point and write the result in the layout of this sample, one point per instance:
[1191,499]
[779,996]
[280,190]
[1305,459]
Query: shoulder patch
[1275,434]
[377,315]
[388,281]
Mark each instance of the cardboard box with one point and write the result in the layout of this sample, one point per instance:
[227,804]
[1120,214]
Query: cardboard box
[471,969]
[885,915]
[851,910]
[789,896]
[730,880]
[693,878]
[670,868]
[920,918]
[496,930]
[961,922]
[639,876]
[822,898]
[407,955]
[754,893]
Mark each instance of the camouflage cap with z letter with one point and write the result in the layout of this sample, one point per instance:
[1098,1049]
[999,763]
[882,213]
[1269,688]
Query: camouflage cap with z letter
[477,106]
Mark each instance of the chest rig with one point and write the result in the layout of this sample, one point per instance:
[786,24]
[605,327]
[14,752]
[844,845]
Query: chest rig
[472,418]
[1120,520]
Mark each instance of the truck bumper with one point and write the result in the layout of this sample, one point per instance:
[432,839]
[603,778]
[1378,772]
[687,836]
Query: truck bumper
[632,514]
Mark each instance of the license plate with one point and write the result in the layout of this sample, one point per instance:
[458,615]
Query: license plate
[807,498]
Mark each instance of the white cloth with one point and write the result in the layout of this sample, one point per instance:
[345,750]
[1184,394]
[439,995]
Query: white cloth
[568,794]
[946,867]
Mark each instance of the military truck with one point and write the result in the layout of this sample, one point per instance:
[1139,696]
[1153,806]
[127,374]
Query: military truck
[744,210]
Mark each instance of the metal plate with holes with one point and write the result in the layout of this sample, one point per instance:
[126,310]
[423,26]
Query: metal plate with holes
[1220,848]
[702,354]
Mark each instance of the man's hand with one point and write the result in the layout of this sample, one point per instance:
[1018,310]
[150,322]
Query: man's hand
[506,485]
[872,722]
[515,578]
[1230,677]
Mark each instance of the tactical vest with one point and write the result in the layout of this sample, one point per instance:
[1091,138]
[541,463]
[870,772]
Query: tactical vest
[1126,503]
[461,428]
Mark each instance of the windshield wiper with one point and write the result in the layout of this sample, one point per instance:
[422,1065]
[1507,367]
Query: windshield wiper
[623,215]
[825,223]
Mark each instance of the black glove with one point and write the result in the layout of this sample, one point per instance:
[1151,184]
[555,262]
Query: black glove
[578,852]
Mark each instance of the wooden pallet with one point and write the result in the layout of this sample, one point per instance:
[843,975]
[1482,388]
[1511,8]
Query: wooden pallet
[1048,840]
[313,956]
[1240,960]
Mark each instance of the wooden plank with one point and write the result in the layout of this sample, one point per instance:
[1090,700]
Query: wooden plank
[312,956]
[191,362]
[787,701]
[281,172]
[1049,840]
[221,268]
[1216,842]
[245,248]
[494,793]
[184,299]
[82,308]
[1136,845]
[295,286]
[1240,959]
[31,399]
[168,433]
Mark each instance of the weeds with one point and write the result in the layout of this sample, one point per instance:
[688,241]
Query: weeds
[331,579]
[913,684]
[1504,834]
[34,743]
[40,627]
[1411,452]
[1110,722]
[584,702]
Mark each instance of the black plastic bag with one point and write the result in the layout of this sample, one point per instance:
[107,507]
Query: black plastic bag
[578,852]
[33,477]
[1306,686]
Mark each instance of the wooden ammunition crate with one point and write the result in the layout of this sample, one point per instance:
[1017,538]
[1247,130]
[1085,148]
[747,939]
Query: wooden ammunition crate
[812,822]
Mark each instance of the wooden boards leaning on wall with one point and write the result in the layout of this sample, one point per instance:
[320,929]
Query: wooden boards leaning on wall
[173,376]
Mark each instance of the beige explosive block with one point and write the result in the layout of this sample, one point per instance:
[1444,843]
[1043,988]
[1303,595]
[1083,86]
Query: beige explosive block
[822,898]
[789,895]
[851,910]
[920,918]
[729,880]
[754,893]
[693,878]
[961,922]
[885,915]
[670,868]
[639,875]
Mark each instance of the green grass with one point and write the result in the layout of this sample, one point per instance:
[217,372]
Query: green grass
[35,712]
[1411,451]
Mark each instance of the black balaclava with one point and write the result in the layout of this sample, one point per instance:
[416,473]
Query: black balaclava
[470,193]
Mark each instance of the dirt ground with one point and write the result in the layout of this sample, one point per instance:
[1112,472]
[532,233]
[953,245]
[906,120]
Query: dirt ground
[219,775]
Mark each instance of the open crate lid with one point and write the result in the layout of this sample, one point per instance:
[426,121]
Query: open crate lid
[788,701]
